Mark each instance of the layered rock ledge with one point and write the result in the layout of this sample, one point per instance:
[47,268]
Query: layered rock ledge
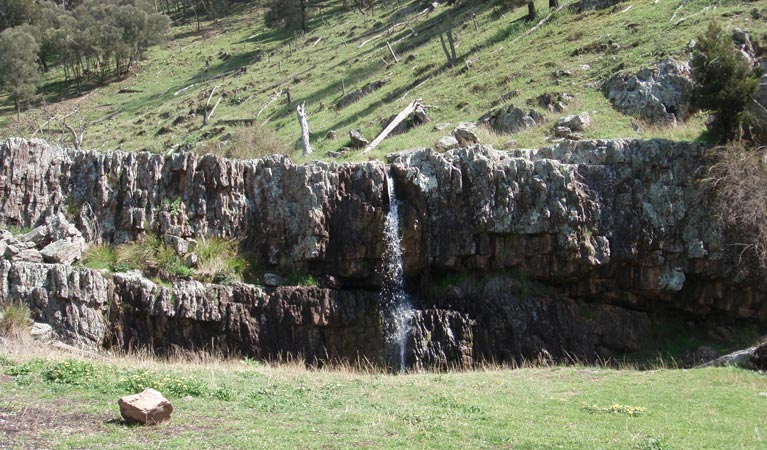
[581,249]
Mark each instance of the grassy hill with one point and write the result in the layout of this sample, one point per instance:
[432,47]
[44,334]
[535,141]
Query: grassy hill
[502,60]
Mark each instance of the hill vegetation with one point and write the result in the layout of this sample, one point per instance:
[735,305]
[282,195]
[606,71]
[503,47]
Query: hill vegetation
[222,71]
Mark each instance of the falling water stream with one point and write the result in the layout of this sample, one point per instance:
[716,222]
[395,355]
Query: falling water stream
[397,310]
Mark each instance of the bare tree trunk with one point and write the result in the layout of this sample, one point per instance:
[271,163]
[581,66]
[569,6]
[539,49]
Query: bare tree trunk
[447,52]
[531,14]
[553,3]
[304,129]
[452,45]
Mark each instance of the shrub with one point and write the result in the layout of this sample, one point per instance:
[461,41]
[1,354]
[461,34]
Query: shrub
[301,279]
[100,257]
[137,255]
[15,319]
[738,179]
[725,82]
[218,259]
[256,141]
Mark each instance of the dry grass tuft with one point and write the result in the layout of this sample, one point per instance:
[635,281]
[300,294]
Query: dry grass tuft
[15,320]
[256,141]
[738,178]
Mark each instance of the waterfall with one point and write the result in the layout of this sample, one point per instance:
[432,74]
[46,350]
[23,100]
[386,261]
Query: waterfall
[396,308]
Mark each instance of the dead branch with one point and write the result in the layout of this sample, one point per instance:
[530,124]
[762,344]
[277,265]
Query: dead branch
[272,98]
[389,128]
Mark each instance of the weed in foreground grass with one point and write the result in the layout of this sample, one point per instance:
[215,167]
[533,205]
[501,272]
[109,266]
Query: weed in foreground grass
[626,410]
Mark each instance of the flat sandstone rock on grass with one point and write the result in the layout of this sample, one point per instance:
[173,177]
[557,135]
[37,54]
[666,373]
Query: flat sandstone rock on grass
[147,408]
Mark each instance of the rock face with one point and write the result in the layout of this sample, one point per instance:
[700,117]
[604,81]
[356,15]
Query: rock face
[659,96]
[573,250]
[147,408]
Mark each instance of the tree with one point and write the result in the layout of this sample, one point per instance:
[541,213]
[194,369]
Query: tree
[14,13]
[725,82]
[288,13]
[18,65]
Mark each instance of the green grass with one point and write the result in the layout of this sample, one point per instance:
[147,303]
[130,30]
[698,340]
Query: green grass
[349,52]
[219,260]
[238,405]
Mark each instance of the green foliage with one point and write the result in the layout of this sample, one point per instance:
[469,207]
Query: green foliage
[70,371]
[301,279]
[725,82]
[137,255]
[225,393]
[651,443]
[16,319]
[168,384]
[18,65]
[287,13]
[101,257]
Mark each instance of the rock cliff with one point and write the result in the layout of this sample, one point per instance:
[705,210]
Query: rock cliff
[575,250]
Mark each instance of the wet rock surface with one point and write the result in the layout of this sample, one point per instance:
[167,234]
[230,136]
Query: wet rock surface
[575,249]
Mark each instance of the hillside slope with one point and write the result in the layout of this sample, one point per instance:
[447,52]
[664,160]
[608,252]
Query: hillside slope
[501,60]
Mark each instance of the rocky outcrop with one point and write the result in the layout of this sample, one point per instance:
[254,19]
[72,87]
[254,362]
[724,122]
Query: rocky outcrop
[658,96]
[574,250]
[511,119]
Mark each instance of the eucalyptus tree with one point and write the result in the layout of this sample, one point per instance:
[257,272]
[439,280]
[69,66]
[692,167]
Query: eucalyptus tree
[19,76]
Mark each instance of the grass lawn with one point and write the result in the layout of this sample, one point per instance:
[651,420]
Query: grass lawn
[61,400]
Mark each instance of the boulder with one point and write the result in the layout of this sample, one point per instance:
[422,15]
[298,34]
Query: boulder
[447,143]
[273,279]
[442,126]
[41,332]
[63,251]
[147,408]
[562,131]
[659,95]
[511,119]
[465,135]
[358,140]
[178,244]
[575,122]
[553,102]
